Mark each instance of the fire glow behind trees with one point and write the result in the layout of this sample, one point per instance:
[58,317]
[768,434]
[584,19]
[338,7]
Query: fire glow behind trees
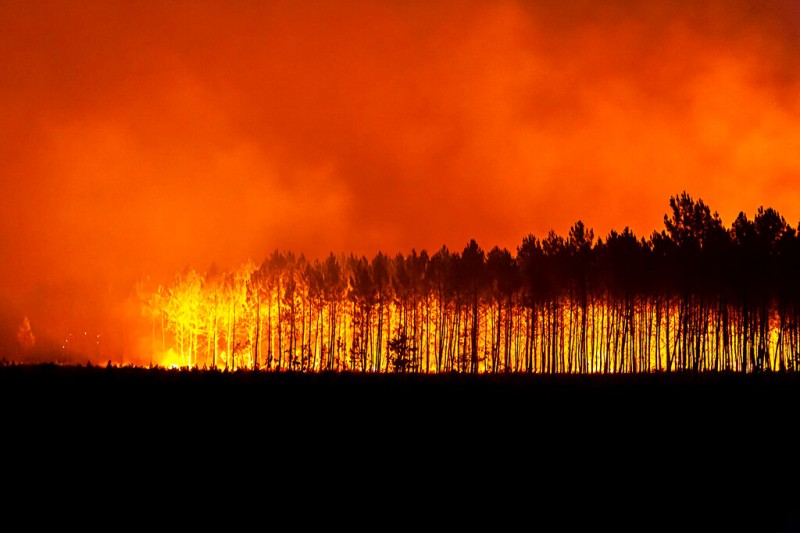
[145,139]
[695,296]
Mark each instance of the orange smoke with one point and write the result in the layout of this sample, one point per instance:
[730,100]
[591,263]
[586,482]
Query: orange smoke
[144,137]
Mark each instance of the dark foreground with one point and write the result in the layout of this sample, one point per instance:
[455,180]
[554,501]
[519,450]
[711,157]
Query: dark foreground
[767,402]
[707,452]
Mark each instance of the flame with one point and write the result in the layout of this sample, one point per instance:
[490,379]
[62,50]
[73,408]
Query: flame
[171,359]
[261,318]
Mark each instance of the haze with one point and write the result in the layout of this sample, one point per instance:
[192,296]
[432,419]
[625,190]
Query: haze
[142,138]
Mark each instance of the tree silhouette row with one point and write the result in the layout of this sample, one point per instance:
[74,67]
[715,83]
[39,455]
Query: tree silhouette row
[694,296]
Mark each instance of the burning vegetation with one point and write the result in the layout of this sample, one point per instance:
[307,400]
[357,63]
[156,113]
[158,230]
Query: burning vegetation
[695,296]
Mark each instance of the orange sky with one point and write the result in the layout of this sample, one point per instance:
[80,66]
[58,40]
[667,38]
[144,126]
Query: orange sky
[144,136]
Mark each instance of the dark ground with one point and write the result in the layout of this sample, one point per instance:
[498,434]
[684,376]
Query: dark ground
[705,452]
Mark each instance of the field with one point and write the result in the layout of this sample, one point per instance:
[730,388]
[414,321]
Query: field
[651,408]
[654,445]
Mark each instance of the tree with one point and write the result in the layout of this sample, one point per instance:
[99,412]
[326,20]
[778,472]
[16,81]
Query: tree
[381,280]
[502,272]
[401,354]
[472,268]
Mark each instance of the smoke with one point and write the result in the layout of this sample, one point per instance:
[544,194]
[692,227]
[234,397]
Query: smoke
[143,138]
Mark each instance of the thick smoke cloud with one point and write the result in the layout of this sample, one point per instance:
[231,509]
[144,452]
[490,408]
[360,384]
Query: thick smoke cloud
[142,138]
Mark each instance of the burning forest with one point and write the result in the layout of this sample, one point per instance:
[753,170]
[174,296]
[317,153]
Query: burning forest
[533,232]
[696,296]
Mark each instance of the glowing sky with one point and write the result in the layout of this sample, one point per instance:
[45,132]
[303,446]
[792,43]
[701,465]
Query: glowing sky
[144,136]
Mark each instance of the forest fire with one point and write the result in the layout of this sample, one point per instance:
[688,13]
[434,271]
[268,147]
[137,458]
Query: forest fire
[147,139]
[695,296]
[261,248]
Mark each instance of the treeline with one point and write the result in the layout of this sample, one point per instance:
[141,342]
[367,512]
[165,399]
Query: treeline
[694,296]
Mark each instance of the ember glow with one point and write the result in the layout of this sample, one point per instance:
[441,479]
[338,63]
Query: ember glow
[148,140]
